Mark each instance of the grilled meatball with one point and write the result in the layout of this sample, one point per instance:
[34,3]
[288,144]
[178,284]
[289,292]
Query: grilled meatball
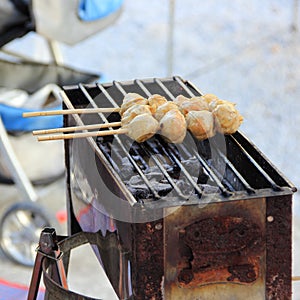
[155,101]
[173,126]
[133,111]
[193,104]
[213,101]
[201,124]
[142,127]
[228,119]
[180,98]
[163,109]
[131,99]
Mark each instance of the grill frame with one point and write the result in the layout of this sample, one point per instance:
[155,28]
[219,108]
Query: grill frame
[279,185]
[277,197]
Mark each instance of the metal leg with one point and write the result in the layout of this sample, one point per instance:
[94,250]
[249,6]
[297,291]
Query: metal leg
[14,167]
[48,248]
[55,52]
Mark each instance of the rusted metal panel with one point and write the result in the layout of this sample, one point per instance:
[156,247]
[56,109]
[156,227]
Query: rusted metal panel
[148,261]
[279,251]
[215,252]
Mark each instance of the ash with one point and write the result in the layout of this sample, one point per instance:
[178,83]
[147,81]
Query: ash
[158,182]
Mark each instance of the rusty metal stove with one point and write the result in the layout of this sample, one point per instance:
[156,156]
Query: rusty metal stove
[211,220]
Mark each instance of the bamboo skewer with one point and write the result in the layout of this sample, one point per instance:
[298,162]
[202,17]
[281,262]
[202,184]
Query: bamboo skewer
[296,278]
[71,111]
[76,128]
[82,134]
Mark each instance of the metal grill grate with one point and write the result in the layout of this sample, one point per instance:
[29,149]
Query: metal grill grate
[231,165]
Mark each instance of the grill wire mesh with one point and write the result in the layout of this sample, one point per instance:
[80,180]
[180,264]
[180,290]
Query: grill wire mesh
[223,165]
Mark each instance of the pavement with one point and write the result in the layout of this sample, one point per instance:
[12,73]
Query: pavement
[246,52]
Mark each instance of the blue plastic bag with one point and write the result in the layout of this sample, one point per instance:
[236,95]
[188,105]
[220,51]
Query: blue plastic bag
[91,10]
[13,120]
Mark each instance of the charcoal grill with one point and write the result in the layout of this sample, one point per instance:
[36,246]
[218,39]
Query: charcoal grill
[199,220]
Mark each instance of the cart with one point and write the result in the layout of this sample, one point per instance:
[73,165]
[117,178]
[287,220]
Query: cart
[21,223]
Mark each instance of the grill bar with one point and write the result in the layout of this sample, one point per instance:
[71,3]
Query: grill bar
[224,191]
[223,171]
[77,118]
[107,95]
[212,174]
[108,157]
[119,87]
[164,88]
[157,162]
[190,93]
[249,189]
[247,186]
[181,83]
[182,168]
[140,172]
[185,172]
[165,173]
[274,186]
[143,87]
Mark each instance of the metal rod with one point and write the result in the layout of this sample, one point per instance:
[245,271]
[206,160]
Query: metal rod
[68,103]
[166,90]
[35,277]
[165,173]
[274,186]
[143,87]
[179,80]
[108,157]
[140,158]
[247,186]
[119,87]
[212,174]
[55,52]
[185,172]
[140,172]
[190,93]
[16,170]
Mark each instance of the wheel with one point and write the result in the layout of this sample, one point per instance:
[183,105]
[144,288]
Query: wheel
[20,229]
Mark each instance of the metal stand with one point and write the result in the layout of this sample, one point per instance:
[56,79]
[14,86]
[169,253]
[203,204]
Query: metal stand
[48,248]
[14,167]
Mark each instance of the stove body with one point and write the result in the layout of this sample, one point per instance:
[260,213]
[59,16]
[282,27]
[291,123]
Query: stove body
[210,220]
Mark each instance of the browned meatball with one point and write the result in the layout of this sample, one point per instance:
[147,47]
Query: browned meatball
[201,124]
[173,126]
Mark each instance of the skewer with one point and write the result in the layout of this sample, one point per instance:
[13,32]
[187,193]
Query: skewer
[82,135]
[71,111]
[76,128]
[296,278]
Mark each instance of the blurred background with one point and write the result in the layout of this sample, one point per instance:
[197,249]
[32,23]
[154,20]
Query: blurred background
[245,52]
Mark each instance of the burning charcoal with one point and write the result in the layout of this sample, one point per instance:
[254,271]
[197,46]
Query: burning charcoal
[163,189]
[139,193]
[209,189]
[202,178]
[173,171]
[136,180]
[155,176]
[127,169]
[193,166]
